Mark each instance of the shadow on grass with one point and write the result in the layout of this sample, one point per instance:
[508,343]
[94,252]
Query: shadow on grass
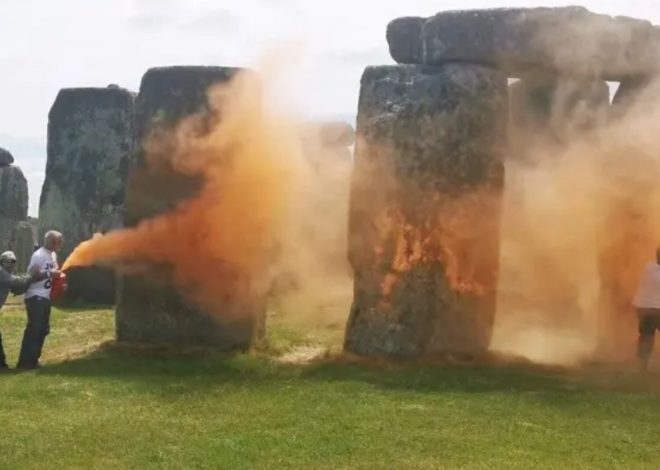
[125,360]
[153,367]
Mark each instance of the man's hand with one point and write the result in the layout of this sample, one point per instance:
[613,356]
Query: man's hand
[55,273]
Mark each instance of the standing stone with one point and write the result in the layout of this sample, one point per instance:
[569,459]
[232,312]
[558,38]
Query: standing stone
[13,204]
[151,311]
[90,132]
[24,241]
[6,158]
[425,209]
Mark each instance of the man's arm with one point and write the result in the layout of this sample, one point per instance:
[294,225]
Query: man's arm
[21,281]
[18,284]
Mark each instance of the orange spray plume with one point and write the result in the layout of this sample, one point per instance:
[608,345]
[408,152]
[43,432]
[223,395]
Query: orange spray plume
[580,221]
[248,162]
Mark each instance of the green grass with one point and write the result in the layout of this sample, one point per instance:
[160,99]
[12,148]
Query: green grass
[101,405]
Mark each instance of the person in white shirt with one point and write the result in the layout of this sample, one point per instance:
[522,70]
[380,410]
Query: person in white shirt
[37,301]
[647,303]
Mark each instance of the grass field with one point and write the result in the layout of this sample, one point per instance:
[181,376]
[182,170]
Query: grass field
[96,404]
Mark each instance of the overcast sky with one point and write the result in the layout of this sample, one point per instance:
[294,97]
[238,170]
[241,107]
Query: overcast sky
[46,45]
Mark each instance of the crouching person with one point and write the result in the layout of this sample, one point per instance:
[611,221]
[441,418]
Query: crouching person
[37,301]
[16,284]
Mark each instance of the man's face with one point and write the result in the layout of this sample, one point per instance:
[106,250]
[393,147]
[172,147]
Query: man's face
[9,265]
[57,244]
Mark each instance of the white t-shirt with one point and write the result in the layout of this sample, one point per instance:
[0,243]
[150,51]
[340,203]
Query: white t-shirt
[42,260]
[648,293]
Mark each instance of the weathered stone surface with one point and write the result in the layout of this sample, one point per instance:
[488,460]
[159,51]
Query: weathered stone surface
[13,203]
[424,215]
[546,110]
[24,241]
[90,136]
[404,39]
[570,40]
[151,311]
[6,158]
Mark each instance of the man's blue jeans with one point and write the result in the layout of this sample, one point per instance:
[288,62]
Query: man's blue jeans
[36,330]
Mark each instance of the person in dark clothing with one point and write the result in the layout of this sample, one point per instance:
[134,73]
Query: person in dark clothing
[14,283]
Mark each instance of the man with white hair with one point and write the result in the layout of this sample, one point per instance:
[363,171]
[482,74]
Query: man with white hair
[16,284]
[37,301]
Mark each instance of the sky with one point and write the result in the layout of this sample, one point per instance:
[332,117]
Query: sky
[53,44]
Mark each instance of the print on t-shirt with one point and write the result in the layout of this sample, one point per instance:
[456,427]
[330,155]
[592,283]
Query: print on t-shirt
[42,260]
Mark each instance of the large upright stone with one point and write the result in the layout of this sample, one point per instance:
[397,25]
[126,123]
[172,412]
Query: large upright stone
[154,311]
[24,241]
[13,204]
[425,209]
[90,136]
[569,40]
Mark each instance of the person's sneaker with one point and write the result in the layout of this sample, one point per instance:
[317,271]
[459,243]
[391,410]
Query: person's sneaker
[21,367]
